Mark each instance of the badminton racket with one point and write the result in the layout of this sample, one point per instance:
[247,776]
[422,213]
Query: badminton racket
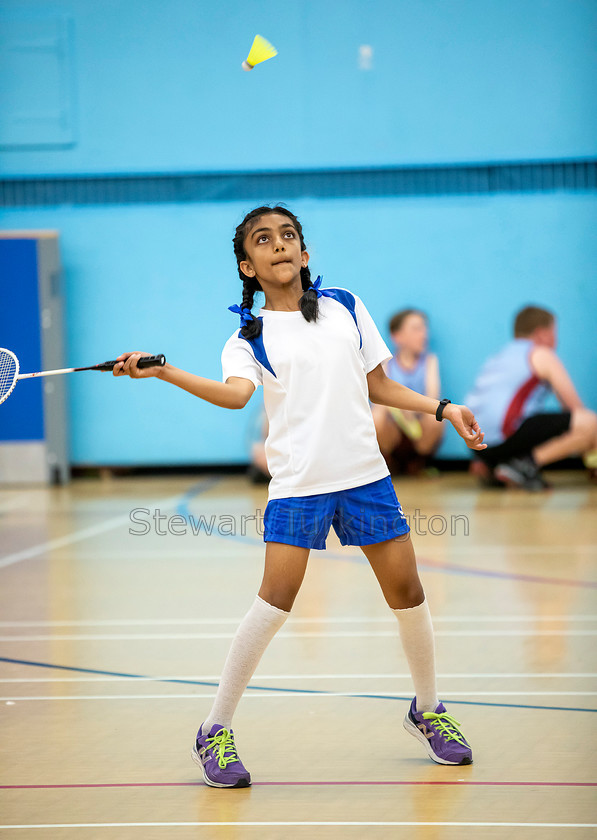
[9,370]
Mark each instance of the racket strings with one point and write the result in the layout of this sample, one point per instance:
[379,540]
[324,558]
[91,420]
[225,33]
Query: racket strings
[9,370]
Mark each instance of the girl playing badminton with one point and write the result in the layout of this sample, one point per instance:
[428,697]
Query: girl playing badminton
[319,356]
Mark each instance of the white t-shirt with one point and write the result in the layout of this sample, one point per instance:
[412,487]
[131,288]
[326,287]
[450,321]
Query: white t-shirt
[321,432]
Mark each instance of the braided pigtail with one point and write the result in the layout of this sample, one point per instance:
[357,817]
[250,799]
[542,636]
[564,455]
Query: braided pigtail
[308,301]
[253,328]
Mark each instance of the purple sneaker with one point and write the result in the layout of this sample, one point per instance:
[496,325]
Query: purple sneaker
[439,734]
[217,755]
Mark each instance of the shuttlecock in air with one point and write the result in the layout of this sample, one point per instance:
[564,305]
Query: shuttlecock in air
[260,51]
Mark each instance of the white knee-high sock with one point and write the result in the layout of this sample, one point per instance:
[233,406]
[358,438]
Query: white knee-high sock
[254,634]
[416,634]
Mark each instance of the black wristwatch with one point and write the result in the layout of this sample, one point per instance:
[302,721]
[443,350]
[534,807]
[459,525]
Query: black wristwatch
[440,409]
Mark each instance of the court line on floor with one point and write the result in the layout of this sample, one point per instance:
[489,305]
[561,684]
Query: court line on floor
[204,677]
[454,568]
[445,568]
[282,691]
[309,824]
[285,634]
[474,571]
[448,568]
[380,695]
[431,783]
[102,527]
[181,505]
[146,622]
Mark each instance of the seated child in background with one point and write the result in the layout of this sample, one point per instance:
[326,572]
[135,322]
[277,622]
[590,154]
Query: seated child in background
[402,435]
[507,400]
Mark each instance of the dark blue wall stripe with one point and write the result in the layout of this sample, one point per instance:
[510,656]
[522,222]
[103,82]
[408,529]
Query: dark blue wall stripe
[545,176]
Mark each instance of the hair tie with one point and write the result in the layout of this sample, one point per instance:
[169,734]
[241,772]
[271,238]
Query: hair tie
[246,316]
[315,287]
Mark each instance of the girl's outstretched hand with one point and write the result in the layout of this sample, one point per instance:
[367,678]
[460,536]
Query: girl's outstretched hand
[127,366]
[464,422]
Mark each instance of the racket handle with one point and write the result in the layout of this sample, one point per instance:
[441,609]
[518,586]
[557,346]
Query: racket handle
[144,362]
[152,361]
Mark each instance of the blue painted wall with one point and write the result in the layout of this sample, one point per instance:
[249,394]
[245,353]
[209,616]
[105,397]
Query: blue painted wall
[160,278]
[157,87]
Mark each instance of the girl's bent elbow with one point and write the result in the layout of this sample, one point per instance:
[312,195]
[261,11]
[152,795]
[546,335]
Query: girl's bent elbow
[238,393]
[239,401]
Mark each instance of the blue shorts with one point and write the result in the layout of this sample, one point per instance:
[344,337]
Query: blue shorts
[360,516]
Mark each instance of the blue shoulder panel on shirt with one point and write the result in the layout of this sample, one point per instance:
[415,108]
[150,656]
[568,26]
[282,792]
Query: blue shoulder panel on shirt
[347,300]
[341,295]
[259,349]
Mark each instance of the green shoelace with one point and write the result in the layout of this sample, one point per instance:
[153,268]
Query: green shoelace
[222,744]
[447,725]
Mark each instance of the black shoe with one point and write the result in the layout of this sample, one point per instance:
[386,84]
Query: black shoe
[521,472]
[255,475]
[491,480]
[485,474]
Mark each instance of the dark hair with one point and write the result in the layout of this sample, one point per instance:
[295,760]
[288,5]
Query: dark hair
[529,318]
[400,317]
[307,302]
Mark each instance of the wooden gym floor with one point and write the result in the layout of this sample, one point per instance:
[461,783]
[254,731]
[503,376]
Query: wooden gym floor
[111,645]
